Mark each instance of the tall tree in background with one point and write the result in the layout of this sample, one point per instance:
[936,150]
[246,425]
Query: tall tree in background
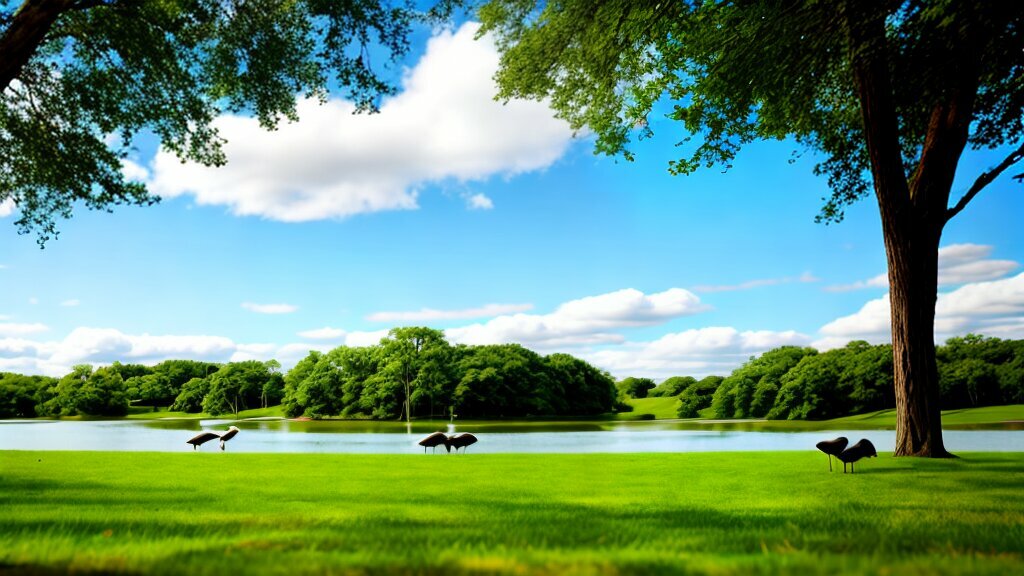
[79,79]
[889,93]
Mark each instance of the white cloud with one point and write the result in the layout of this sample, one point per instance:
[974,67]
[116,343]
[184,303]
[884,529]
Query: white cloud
[431,315]
[958,264]
[698,352]
[7,208]
[101,346]
[443,125]
[479,202]
[70,303]
[270,308]
[584,321]
[134,171]
[341,337]
[963,263]
[325,333]
[750,284]
[33,300]
[13,329]
[988,307]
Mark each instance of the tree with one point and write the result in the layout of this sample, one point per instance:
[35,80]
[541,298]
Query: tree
[81,78]
[636,387]
[84,391]
[190,399]
[235,387]
[889,93]
[673,386]
[697,396]
[414,358]
[155,390]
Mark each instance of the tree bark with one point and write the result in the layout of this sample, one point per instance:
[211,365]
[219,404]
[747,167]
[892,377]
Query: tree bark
[912,220]
[912,253]
[25,33]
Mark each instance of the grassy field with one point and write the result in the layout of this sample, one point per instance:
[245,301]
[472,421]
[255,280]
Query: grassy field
[147,413]
[216,513]
[664,408]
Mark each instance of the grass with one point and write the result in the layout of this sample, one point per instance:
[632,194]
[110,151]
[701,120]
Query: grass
[767,513]
[662,408]
[147,413]
[1011,416]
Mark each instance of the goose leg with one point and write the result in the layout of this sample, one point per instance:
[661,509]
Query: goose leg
[829,462]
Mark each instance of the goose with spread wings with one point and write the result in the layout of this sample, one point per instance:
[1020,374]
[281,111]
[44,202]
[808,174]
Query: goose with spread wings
[207,435]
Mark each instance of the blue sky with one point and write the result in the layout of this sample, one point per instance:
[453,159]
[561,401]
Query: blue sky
[490,222]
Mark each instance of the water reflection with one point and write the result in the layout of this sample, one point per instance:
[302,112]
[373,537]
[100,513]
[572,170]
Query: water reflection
[369,437]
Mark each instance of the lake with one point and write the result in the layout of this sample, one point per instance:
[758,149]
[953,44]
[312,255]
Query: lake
[502,437]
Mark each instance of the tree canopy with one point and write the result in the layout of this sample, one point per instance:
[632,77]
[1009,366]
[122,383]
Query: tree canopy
[888,94]
[80,79]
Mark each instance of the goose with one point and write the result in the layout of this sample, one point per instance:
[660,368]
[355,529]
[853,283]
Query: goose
[204,437]
[832,448]
[435,440]
[862,449]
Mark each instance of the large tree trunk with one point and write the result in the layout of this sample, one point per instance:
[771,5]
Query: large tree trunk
[913,215]
[912,254]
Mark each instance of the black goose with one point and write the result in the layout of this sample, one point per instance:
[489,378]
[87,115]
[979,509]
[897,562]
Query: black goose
[832,448]
[434,440]
[204,437]
[862,449]
[462,441]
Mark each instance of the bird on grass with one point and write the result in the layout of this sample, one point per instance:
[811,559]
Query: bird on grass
[204,437]
[462,441]
[434,440]
[862,449]
[454,441]
[832,448]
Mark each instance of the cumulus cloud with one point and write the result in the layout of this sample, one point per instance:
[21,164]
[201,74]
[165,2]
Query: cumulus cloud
[269,308]
[325,333]
[431,315]
[964,263]
[7,208]
[751,284]
[697,352]
[102,346]
[479,202]
[134,171]
[15,329]
[958,264]
[70,303]
[443,125]
[589,320]
[993,307]
[344,337]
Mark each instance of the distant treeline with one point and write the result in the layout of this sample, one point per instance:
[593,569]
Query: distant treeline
[417,368]
[416,371]
[802,383]
[413,369]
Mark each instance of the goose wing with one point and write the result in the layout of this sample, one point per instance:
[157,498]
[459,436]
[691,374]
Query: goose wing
[202,438]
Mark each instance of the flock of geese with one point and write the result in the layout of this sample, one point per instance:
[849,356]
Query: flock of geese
[836,447]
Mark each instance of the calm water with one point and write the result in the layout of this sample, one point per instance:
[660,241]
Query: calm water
[382,438]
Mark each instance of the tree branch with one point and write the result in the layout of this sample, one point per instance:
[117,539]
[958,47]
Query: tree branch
[25,32]
[985,179]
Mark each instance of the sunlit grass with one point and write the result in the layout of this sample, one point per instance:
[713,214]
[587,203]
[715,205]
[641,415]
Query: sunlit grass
[224,513]
[661,408]
[147,413]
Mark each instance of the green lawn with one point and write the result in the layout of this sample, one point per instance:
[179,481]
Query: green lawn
[994,416]
[769,513]
[147,413]
[662,408]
